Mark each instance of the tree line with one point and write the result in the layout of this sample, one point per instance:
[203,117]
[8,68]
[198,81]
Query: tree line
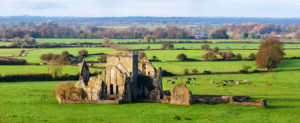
[53,30]
[234,31]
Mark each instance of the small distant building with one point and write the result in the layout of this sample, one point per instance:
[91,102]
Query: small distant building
[201,36]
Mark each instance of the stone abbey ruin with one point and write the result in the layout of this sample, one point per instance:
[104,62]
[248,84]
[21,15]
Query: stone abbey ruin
[126,80]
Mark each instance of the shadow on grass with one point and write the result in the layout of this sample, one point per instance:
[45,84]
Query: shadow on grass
[280,107]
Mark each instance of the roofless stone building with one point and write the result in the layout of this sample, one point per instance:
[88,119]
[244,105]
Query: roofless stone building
[126,79]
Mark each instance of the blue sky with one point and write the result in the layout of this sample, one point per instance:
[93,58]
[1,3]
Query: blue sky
[165,8]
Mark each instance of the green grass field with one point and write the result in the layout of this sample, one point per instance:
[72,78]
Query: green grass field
[10,52]
[198,46]
[170,55]
[34,55]
[218,66]
[68,40]
[34,102]
[4,43]
[221,66]
[35,69]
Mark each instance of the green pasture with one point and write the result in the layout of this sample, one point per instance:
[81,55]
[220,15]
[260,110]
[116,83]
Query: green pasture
[34,102]
[4,43]
[70,40]
[214,66]
[10,52]
[198,46]
[170,55]
[37,69]
[34,55]
[221,66]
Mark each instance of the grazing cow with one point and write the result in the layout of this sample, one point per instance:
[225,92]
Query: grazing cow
[230,80]
[194,78]
[225,84]
[192,83]
[169,81]
[237,82]
[225,81]
[173,82]
[189,79]
[245,81]
[212,81]
[187,82]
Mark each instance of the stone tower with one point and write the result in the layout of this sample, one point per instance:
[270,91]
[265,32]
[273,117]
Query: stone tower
[128,63]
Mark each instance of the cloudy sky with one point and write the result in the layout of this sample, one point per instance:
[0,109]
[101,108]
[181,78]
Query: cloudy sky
[166,8]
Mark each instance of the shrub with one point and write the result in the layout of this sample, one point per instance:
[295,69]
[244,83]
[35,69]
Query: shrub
[227,56]
[251,56]
[205,47]
[209,56]
[216,49]
[186,71]
[245,69]
[83,53]
[238,57]
[68,91]
[195,71]
[148,47]
[49,57]
[177,117]
[181,57]
[167,46]
[245,58]
[105,42]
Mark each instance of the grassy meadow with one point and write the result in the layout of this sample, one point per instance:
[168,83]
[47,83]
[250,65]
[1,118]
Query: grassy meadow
[68,40]
[4,43]
[10,52]
[34,102]
[198,46]
[35,69]
[34,55]
[170,55]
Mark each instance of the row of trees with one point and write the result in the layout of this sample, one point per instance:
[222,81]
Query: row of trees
[257,31]
[236,31]
[52,30]
[65,58]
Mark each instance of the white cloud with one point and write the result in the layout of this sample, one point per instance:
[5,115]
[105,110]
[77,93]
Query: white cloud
[99,8]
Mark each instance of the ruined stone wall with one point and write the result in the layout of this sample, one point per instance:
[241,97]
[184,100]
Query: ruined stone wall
[114,83]
[181,95]
[127,63]
[147,69]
